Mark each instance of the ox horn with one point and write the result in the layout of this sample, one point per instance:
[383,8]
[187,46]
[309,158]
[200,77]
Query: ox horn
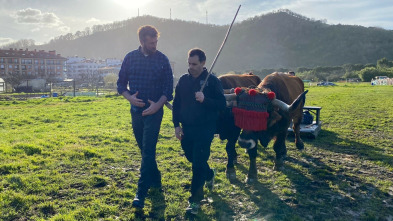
[288,108]
[281,105]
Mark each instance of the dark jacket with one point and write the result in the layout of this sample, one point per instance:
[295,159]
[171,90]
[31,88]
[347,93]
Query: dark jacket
[190,112]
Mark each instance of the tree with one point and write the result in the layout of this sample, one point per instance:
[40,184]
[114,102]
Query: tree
[14,78]
[369,73]
[110,80]
[23,43]
[87,31]
[384,63]
[92,77]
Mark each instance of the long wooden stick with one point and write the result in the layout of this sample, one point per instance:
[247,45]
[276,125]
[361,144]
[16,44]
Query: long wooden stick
[169,105]
[219,50]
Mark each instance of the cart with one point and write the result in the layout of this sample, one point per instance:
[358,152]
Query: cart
[310,129]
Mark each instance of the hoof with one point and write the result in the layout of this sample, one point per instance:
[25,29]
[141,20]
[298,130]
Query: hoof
[300,145]
[231,173]
[278,165]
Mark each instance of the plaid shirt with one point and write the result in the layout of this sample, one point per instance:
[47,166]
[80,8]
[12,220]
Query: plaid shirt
[150,75]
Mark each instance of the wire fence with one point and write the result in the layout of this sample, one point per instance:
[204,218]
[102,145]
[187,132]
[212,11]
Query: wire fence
[60,91]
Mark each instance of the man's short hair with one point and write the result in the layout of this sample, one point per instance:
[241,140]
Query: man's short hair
[196,51]
[147,30]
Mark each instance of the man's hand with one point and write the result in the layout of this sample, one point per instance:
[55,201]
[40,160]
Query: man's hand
[153,108]
[179,133]
[135,101]
[199,96]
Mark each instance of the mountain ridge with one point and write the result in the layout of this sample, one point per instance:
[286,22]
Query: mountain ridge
[281,39]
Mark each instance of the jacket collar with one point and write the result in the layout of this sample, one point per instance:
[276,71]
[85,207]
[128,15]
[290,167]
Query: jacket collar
[202,76]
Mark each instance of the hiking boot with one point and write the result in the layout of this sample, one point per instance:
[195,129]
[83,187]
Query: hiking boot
[193,208]
[139,202]
[210,183]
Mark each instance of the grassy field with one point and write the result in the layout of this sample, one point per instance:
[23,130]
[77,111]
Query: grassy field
[76,159]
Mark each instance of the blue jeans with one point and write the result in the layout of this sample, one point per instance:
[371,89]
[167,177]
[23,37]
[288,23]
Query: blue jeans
[196,145]
[146,130]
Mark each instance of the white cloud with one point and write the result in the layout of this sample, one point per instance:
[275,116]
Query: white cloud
[93,20]
[36,17]
[4,41]
[64,29]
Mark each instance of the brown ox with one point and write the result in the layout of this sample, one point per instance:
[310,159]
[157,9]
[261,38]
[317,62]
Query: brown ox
[229,81]
[288,90]
[226,126]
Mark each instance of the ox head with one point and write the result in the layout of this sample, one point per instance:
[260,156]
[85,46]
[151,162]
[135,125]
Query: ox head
[258,113]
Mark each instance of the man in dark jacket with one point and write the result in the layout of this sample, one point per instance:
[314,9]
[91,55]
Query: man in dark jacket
[197,112]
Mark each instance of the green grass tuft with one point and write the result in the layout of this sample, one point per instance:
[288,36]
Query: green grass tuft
[29,149]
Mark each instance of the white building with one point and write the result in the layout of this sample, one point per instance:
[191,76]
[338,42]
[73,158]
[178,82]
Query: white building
[111,62]
[2,85]
[84,70]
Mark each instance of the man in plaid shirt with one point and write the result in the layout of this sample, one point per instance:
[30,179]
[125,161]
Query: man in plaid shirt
[149,77]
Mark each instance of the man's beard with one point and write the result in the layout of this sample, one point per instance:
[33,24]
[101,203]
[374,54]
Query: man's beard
[148,51]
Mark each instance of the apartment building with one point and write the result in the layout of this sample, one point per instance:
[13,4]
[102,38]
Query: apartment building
[84,70]
[32,64]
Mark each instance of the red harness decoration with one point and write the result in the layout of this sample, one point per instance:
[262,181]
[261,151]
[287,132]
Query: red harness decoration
[250,120]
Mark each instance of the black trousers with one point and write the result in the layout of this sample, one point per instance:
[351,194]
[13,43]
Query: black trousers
[196,145]
[146,130]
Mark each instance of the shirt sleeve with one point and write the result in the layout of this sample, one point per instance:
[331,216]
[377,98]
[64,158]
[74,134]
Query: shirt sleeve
[168,80]
[176,106]
[123,78]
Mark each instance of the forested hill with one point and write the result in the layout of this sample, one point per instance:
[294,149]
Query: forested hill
[280,39]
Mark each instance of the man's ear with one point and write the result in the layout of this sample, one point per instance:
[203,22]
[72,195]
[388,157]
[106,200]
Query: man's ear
[142,41]
[203,63]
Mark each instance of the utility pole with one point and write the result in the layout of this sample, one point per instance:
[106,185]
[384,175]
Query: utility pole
[138,12]
[206,18]
[170,13]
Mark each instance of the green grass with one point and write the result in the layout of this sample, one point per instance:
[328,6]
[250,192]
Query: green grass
[76,159]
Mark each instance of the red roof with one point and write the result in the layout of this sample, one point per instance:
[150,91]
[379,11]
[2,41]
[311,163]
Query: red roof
[15,53]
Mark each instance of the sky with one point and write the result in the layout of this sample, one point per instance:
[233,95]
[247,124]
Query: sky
[42,20]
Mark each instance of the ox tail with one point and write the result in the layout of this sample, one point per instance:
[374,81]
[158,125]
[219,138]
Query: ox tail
[297,101]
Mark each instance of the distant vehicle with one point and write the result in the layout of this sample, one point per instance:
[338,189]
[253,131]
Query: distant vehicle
[380,80]
[84,85]
[326,84]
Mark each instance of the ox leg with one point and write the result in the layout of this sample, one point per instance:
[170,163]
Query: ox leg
[252,172]
[296,130]
[281,151]
[232,159]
